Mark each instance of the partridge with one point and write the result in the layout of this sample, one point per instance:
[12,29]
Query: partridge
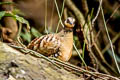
[59,44]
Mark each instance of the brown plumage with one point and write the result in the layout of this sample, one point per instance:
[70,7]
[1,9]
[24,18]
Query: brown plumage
[59,44]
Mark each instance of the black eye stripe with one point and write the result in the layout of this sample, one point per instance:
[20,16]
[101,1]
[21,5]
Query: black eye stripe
[68,21]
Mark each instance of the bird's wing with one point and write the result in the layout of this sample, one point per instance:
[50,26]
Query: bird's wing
[47,45]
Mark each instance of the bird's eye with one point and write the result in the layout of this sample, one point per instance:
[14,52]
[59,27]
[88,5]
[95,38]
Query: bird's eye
[68,21]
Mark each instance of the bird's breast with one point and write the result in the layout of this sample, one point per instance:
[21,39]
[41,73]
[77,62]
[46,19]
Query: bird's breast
[66,47]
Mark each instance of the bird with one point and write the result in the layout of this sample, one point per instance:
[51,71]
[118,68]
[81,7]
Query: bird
[59,44]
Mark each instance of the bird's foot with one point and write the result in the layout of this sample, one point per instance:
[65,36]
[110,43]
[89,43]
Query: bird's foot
[57,54]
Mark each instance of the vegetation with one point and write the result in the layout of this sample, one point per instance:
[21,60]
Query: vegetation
[96,33]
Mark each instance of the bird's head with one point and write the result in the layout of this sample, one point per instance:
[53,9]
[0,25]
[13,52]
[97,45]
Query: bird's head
[69,22]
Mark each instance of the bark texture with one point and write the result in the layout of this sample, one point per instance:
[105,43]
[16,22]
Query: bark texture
[16,66]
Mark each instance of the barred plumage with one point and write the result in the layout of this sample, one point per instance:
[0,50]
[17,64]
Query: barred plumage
[47,45]
[59,44]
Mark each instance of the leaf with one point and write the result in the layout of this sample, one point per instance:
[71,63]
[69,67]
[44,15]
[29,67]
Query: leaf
[26,36]
[22,20]
[18,18]
[35,32]
[1,3]
[2,14]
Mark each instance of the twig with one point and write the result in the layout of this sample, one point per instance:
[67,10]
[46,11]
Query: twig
[79,55]
[33,53]
[58,13]
[80,70]
[17,39]
[84,7]
[98,11]
[95,39]
[63,26]
[113,41]
[101,56]
[51,21]
[1,36]
[95,45]
[113,13]
[46,17]
[65,13]
[110,40]
[59,63]
[80,19]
